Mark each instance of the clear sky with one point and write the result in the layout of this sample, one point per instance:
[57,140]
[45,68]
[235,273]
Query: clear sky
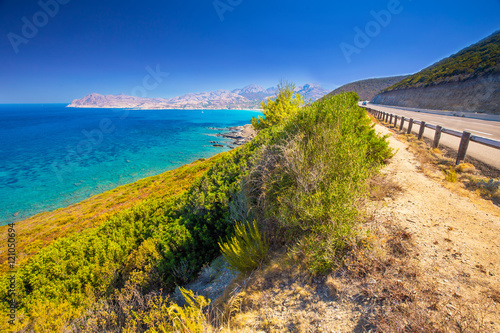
[59,50]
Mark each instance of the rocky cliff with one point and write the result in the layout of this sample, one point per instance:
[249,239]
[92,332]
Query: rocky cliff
[478,95]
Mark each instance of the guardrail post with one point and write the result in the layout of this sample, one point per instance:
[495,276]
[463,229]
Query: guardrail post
[410,125]
[387,118]
[396,121]
[462,149]
[402,123]
[422,129]
[390,120]
[437,136]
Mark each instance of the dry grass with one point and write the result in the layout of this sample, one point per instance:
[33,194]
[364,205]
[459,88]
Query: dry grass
[381,187]
[395,295]
[435,164]
[278,298]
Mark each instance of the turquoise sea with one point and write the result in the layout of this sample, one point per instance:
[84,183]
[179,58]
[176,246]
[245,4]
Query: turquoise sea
[52,156]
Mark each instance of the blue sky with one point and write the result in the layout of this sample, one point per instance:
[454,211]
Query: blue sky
[79,47]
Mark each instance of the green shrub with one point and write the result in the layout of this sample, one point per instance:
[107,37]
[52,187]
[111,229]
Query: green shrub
[305,183]
[278,109]
[245,250]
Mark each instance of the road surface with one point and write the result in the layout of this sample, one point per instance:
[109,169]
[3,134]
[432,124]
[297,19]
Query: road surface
[489,129]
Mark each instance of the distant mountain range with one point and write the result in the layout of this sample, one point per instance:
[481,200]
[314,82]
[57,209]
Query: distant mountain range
[367,89]
[248,97]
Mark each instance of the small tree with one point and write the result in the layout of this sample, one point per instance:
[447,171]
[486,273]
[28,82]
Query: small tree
[275,110]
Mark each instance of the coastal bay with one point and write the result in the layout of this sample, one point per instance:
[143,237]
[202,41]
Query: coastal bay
[59,156]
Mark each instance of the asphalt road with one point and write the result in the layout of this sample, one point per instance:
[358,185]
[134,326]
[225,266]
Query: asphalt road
[489,129]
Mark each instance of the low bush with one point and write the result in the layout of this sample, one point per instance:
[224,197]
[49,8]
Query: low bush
[246,249]
[450,175]
[305,183]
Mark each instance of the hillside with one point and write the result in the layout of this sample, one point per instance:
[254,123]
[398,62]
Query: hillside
[466,81]
[367,89]
[321,223]
[41,230]
[477,60]
[294,187]
[248,97]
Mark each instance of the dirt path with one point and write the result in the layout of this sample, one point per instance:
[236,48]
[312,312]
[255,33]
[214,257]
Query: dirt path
[458,237]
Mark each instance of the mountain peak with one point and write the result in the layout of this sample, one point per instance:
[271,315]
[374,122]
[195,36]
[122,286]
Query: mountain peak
[252,88]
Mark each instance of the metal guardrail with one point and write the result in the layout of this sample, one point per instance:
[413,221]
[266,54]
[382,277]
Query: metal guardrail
[465,137]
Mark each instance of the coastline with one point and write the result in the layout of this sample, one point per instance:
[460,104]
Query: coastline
[52,173]
[154,108]
[40,230]
[238,134]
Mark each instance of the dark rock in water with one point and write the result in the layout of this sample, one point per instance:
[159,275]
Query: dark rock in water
[218,145]
[214,142]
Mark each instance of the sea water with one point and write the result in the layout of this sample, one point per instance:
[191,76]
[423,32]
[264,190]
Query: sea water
[52,156]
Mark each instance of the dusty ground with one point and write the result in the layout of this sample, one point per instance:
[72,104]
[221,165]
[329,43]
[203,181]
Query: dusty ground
[446,268]
[457,235]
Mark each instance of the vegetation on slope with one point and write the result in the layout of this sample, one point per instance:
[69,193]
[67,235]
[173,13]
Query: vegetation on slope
[367,89]
[38,231]
[480,59]
[299,179]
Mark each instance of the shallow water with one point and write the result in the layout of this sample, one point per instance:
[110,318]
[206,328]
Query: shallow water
[52,156]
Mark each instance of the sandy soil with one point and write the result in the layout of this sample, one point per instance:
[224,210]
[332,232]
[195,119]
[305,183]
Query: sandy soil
[457,236]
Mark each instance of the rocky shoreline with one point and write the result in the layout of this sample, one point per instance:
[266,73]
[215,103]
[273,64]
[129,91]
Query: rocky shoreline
[239,135]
